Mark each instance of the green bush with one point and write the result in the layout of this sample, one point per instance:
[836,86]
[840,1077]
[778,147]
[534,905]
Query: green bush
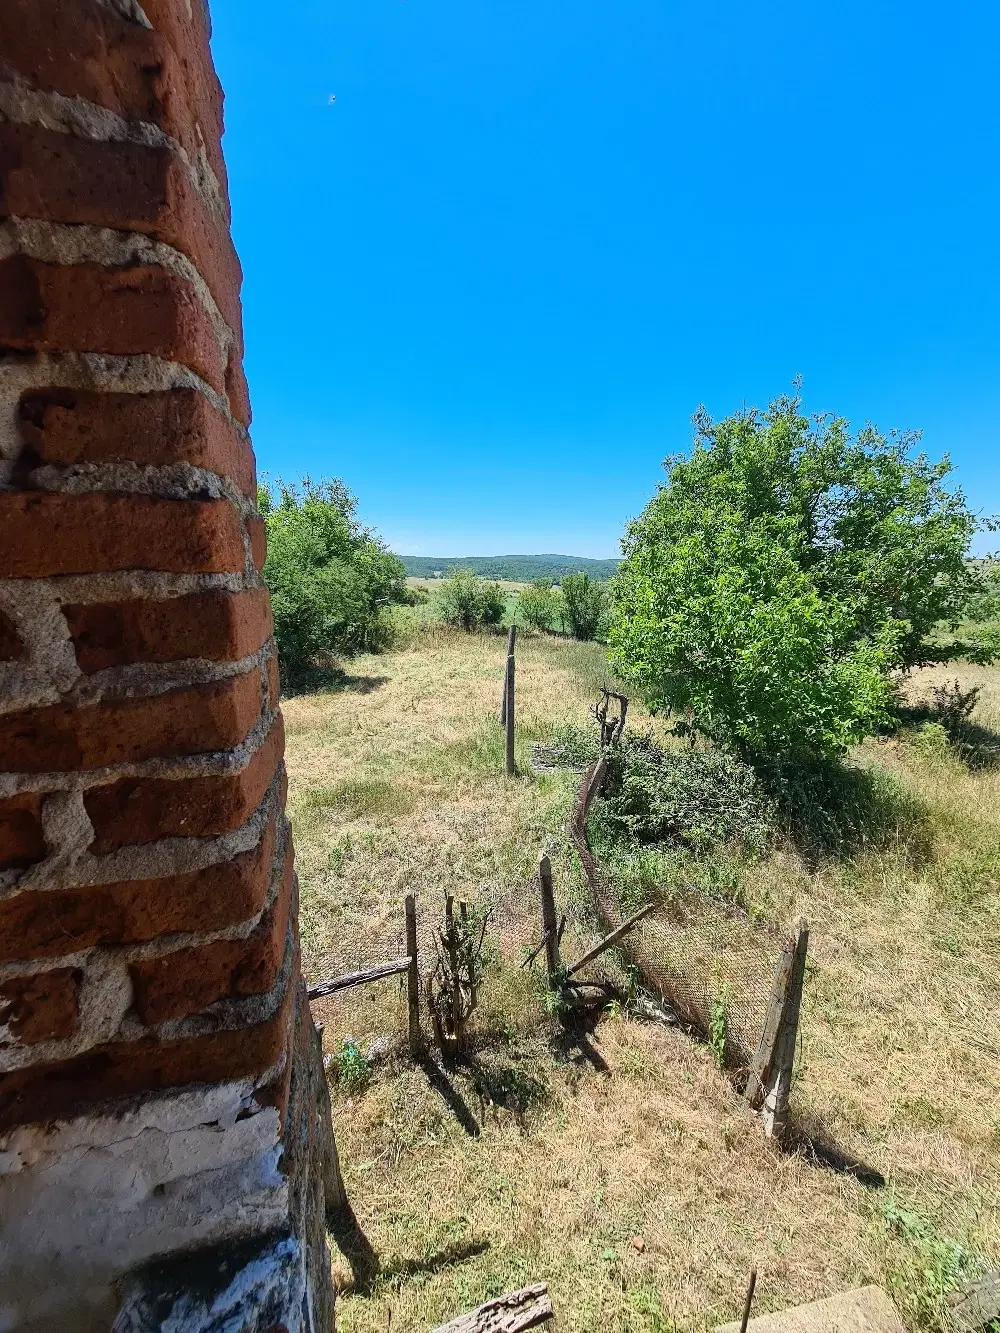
[538,605]
[585,604]
[331,579]
[781,575]
[694,798]
[469,602]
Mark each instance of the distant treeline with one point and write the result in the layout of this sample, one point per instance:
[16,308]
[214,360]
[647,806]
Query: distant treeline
[512,568]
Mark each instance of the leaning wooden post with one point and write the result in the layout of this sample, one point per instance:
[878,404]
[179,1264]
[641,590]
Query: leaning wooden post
[509,717]
[549,928]
[511,639]
[413,977]
[770,1081]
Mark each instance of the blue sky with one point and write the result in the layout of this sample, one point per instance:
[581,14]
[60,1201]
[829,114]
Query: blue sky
[490,282]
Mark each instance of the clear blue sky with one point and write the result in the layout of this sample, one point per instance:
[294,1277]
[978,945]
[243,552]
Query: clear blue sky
[489,283]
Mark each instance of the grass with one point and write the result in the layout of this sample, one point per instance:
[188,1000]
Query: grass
[546,1155]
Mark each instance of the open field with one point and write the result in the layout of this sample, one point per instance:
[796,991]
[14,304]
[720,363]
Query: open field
[545,1158]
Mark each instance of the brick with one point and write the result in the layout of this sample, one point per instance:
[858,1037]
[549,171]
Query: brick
[66,426]
[189,980]
[61,1089]
[257,531]
[196,719]
[237,389]
[186,33]
[142,309]
[53,922]
[140,810]
[44,534]
[273,682]
[84,49]
[218,625]
[11,647]
[42,1007]
[22,842]
[131,187]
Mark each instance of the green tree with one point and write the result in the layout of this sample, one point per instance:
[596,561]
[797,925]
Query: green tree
[538,604]
[585,603]
[783,572]
[331,579]
[469,602]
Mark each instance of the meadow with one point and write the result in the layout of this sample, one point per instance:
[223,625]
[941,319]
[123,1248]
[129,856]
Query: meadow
[624,1169]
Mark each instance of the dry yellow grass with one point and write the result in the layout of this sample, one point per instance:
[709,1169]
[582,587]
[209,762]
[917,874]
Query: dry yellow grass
[536,1163]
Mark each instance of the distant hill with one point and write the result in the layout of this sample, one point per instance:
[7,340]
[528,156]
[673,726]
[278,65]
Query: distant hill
[515,568]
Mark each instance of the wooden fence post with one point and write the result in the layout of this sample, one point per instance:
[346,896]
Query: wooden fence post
[770,1081]
[511,640]
[509,721]
[453,963]
[413,977]
[549,930]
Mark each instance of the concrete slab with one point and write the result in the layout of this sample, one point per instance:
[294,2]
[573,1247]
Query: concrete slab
[865,1310]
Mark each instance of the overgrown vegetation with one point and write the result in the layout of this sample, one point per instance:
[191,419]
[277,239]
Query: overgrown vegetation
[540,605]
[784,572]
[585,604]
[331,580]
[540,1157]
[469,602]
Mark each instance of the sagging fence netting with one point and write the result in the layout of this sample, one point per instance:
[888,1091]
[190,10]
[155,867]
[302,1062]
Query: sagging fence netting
[705,959]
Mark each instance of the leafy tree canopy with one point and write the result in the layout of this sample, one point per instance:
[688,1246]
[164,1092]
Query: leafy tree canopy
[469,602]
[331,579]
[585,604]
[783,572]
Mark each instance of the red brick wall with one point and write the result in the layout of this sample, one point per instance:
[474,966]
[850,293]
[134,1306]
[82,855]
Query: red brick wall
[148,931]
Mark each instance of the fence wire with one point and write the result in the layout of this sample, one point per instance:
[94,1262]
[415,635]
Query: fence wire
[705,958]
[700,956]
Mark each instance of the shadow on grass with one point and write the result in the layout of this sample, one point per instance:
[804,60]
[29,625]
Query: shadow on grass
[329,680]
[439,1080]
[818,1150]
[834,810]
[365,1265]
[977,747]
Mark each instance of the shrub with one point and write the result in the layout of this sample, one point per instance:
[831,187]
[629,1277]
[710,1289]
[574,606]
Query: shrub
[782,573]
[585,604]
[416,595]
[331,579]
[469,602]
[696,798]
[538,604]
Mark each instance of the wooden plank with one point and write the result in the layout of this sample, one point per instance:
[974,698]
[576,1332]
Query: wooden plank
[350,979]
[513,1313]
[613,938]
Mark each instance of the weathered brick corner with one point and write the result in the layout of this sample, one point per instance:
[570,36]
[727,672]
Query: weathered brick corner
[165,1144]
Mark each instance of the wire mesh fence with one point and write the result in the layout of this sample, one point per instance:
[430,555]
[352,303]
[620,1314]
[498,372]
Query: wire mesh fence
[706,958]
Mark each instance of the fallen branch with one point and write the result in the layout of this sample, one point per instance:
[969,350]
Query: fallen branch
[506,1314]
[350,979]
[608,940]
